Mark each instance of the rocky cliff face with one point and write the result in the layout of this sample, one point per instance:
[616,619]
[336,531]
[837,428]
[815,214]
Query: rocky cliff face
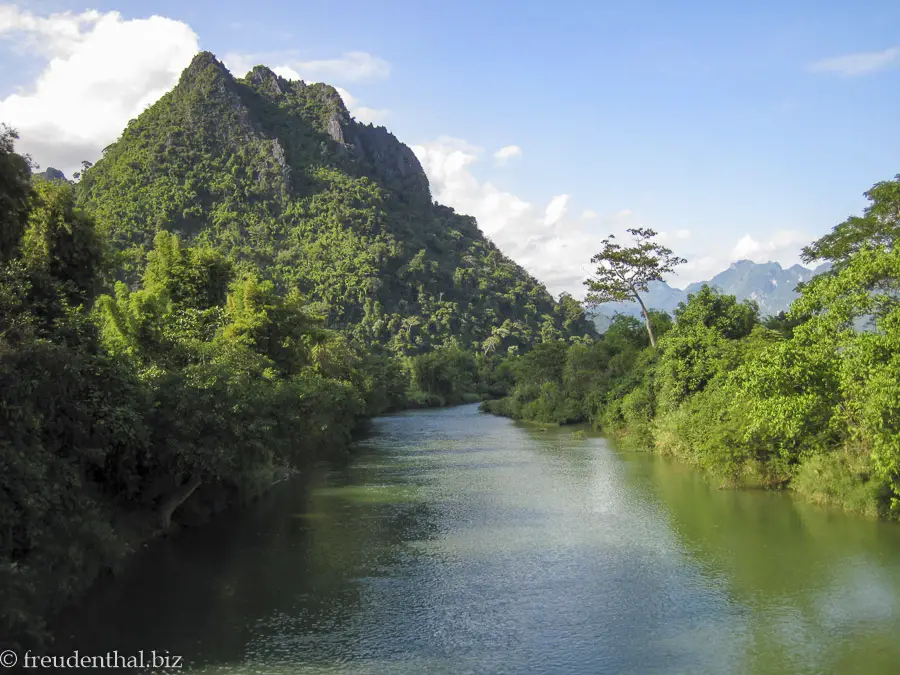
[278,175]
[51,174]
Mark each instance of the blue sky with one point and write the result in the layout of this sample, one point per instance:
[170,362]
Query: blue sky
[736,131]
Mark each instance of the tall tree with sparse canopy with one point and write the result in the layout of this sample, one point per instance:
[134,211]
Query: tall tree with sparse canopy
[623,273]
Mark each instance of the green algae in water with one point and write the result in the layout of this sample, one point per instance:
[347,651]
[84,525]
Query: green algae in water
[372,494]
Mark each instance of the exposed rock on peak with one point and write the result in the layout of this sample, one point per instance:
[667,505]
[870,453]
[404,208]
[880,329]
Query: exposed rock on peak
[52,174]
[393,160]
[277,174]
[264,78]
[202,63]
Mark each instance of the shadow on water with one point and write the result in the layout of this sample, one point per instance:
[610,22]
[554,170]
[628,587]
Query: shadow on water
[296,562]
[455,542]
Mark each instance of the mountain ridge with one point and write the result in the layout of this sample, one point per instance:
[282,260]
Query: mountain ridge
[770,285]
[278,175]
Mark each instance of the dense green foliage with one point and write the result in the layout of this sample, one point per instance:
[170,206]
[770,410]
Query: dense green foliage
[115,410]
[218,302]
[809,399]
[248,273]
[276,175]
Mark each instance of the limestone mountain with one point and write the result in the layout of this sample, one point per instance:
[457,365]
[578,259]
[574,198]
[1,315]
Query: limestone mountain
[51,174]
[279,176]
[770,285]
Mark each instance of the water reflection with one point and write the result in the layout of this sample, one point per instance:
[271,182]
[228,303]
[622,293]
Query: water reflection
[455,542]
[823,587]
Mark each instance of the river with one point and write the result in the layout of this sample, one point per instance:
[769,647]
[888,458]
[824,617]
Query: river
[457,542]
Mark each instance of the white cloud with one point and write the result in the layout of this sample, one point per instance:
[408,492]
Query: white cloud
[286,72]
[446,162]
[782,244]
[102,70]
[857,64]
[47,35]
[506,153]
[351,67]
[557,248]
[552,247]
[556,209]
[677,235]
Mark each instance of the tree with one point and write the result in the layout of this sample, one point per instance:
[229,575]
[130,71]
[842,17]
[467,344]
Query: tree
[623,273]
[718,311]
[61,241]
[878,226]
[15,194]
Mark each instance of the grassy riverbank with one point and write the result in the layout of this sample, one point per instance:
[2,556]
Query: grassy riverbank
[807,401]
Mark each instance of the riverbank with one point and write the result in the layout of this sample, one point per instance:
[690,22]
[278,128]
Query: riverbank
[840,478]
[450,540]
[138,533]
[727,393]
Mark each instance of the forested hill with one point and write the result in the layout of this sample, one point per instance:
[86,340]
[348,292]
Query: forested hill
[277,175]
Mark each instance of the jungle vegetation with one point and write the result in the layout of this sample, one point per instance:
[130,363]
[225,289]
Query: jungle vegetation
[217,302]
[808,400]
[248,273]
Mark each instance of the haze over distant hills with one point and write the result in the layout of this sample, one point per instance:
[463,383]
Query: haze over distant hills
[769,284]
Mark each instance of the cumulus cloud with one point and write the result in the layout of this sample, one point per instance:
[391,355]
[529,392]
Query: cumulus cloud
[506,153]
[554,248]
[48,35]
[557,248]
[556,209]
[286,72]
[782,244]
[101,70]
[446,161]
[857,64]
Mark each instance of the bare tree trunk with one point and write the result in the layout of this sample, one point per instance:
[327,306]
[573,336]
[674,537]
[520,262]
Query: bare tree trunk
[646,320]
[176,499]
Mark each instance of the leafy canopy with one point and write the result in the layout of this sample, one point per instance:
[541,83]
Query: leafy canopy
[624,272]
[878,226]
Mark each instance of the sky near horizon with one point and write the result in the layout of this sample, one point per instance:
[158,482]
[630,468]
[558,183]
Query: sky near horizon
[736,130]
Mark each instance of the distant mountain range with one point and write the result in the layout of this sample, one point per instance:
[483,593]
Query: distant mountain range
[769,284]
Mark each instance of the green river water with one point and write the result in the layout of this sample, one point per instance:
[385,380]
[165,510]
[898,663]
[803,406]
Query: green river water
[457,542]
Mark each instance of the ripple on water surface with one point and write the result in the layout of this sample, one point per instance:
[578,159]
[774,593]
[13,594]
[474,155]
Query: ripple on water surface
[455,542]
